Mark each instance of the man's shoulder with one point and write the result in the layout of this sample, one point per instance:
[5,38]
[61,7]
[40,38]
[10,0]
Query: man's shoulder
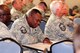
[2,25]
[20,22]
[17,22]
[51,19]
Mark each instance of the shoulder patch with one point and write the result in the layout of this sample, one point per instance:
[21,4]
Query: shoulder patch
[62,26]
[23,30]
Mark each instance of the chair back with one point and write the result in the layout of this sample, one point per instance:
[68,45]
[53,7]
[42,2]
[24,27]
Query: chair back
[65,46]
[8,45]
[42,25]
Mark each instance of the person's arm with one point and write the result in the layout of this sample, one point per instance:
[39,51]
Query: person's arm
[49,29]
[41,37]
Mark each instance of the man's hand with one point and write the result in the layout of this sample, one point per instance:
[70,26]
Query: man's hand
[47,41]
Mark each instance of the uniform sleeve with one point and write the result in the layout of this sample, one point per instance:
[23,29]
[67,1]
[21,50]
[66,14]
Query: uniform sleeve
[49,29]
[40,35]
[66,20]
[4,31]
[69,27]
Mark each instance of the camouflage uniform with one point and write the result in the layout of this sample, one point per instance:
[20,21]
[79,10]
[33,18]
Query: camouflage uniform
[27,7]
[4,31]
[24,33]
[15,14]
[56,29]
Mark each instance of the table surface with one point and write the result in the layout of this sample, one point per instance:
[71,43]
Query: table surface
[40,46]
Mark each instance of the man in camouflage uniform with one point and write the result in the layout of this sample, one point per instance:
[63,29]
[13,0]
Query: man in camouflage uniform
[4,20]
[16,11]
[56,28]
[20,7]
[42,7]
[26,29]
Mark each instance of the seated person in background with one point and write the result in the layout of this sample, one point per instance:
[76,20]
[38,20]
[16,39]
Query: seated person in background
[76,35]
[16,11]
[56,28]
[5,17]
[42,7]
[28,4]
[71,10]
[75,12]
[26,29]
[20,7]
